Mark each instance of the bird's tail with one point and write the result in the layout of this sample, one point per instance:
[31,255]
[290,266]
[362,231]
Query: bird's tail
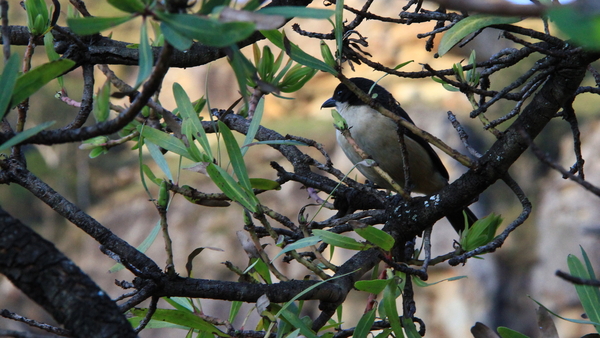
[458,219]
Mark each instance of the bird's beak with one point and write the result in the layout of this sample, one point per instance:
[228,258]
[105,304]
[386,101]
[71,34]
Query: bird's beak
[330,103]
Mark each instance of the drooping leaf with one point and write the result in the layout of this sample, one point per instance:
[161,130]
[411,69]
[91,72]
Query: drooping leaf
[146,59]
[7,82]
[102,103]
[254,125]
[159,158]
[264,184]
[469,25]
[32,81]
[175,38]
[91,25]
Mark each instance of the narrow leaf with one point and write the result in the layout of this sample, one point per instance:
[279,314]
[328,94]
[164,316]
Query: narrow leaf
[146,58]
[297,12]
[304,242]
[129,6]
[207,31]
[143,247]
[374,286]
[295,53]
[340,240]
[235,156]
[92,25]
[32,81]
[470,25]
[175,38]
[184,318]
[159,158]
[20,137]
[377,237]
[7,82]
[187,111]
[166,141]
[230,187]
[254,125]
[363,328]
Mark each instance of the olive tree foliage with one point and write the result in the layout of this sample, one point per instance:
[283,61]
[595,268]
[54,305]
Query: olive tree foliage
[193,35]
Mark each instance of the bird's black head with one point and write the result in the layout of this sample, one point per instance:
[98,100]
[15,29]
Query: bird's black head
[342,94]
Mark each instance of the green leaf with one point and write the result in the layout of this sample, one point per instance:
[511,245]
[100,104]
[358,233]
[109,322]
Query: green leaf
[91,25]
[339,29]
[481,232]
[580,25]
[254,125]
[7,82]
[235,156]
[188,130]
[146,60]
[297,12]
[588,295]
[143,247]
[577,321]
[159,158]
[470,25]
[175,38]
[374,286]
[340,240]
[184,318]
[102,103]
[505,332]
[391,310]
[363,328]
[376,237]
[235,309]
[37,17]
[22,136]
[264,184]
[419,282]
[304,242]
[166,141]
[187,111]
[295,53]
[129,6]
[231,188]
[279,142]
[243,69]
[209,5]
[32,81]
[207,31]
[148,172]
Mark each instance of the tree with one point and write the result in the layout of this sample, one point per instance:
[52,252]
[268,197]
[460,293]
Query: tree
[214,31]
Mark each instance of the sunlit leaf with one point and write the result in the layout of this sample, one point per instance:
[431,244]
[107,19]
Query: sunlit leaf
[377,237]
[184,318]
[340,240]
[166,141]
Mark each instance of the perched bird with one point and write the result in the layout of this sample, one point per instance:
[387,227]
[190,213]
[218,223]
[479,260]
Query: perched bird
[377,135]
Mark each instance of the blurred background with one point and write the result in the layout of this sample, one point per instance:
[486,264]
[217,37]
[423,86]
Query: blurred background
[498,286]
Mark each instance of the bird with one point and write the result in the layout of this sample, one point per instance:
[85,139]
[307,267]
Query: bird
[377,135]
